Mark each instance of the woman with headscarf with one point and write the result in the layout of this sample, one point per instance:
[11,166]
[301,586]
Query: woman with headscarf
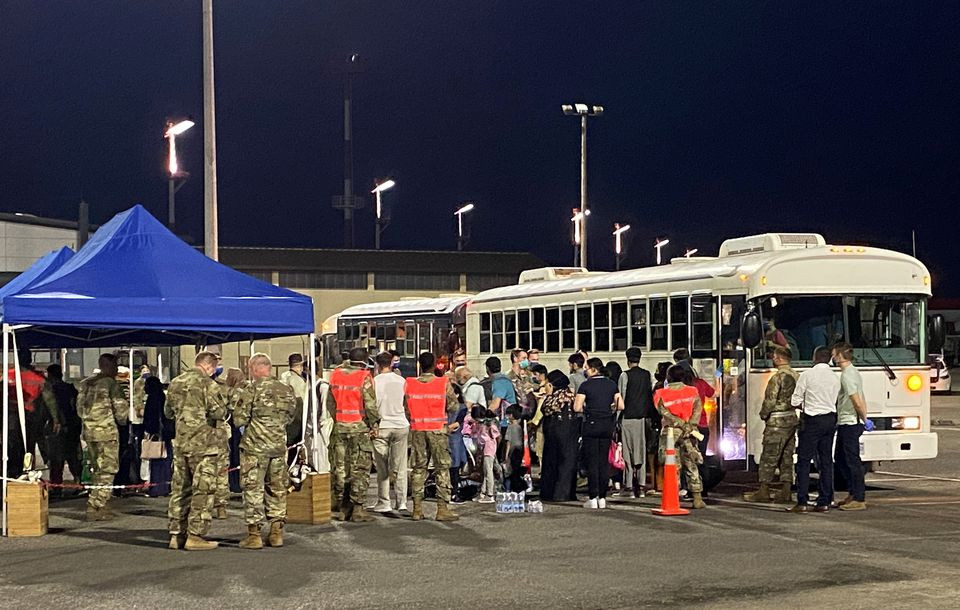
[155,423]
[558,464]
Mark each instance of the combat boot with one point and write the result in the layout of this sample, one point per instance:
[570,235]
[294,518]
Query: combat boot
[444,513]
[784,496]
[359,515]
[275,538]
[417,513]
[761,495]
[196,543]
[346,510]
[253,539]
[177,541]
[220,512]
[698,500]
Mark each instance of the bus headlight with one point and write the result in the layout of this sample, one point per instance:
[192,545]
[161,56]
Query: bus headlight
[905,423]
[914,382]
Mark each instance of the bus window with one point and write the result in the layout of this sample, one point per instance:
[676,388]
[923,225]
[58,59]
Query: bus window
[658,324]
[496,333]
[568,329]
[584,328]
[733,394]
[510,328]
[601,327]
[553,329]
[679,317]
[701,313]
[618,322]
[424,337]
[537,329]
[801,323]
[485,333]
[523,324]
[638,323]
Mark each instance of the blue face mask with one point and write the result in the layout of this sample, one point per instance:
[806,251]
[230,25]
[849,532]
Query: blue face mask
[217,372]
[524,363]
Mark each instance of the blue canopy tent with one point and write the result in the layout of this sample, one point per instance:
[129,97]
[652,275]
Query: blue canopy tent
[36,273]
[136,283]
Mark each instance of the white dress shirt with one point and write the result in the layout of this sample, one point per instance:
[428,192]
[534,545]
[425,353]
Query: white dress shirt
[817,390]
[389,388]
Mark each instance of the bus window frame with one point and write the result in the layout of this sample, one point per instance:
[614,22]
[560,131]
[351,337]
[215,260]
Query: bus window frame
[541,329]
[588,332]
[625,327]
[643,301]
[597,347]
[523,336]
[665,324]
[572,309]
[557,332]
[685,297]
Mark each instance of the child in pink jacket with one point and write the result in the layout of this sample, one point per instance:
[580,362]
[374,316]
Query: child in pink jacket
[482,426]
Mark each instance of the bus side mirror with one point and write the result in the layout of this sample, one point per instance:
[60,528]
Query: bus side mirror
[936,334]
[751,330]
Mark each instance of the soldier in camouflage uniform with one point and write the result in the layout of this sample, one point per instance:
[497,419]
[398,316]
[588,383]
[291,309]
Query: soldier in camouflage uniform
[196,403]
[679,406]
[429,445]
[101,406]
[265,406]
[779,434]
[352,402]
[221,496]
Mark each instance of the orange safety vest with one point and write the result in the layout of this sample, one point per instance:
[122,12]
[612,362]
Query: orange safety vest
[679,402]
[347,388]
[427,403]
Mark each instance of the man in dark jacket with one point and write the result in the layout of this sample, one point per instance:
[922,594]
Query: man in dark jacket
[636,387]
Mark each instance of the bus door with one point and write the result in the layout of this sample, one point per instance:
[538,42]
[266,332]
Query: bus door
[732,420]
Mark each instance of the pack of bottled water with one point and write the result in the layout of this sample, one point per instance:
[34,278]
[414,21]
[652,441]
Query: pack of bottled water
[511,502]
[534,506]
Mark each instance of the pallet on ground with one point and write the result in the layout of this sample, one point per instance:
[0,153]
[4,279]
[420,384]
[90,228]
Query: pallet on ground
[28,509]
[310,505]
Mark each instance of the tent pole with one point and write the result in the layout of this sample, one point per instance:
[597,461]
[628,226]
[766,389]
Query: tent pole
[314,449]
[18,379]
[6,416]
[130,416]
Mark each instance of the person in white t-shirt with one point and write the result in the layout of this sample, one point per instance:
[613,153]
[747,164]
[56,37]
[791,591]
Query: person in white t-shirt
[390,447]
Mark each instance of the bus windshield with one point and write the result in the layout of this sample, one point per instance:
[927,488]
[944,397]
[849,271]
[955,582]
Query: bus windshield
[886,327]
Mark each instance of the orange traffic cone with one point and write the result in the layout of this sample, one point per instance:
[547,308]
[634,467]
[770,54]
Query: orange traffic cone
[527,461]
[670,501]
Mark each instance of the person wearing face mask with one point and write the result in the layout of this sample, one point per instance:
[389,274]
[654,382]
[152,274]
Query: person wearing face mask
[519,375]
[538,376]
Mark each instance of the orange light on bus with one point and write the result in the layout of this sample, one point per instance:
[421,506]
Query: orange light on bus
[914,382]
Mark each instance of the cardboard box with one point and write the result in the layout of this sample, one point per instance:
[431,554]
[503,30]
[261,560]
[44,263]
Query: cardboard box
[28,509]
[310,505]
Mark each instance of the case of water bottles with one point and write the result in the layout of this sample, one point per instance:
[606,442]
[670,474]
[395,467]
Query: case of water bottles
[511,502]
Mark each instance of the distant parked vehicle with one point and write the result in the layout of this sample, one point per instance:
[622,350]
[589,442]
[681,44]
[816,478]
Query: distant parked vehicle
[939,373]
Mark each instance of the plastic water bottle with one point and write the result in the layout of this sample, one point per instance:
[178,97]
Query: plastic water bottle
[501,507]
[521,502]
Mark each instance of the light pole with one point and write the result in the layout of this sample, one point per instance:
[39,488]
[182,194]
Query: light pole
[177,178]
[381,225]
[578,223]
[459,214]
[211,229]
[618,232]
[583,111]
[660,243]
[690,252]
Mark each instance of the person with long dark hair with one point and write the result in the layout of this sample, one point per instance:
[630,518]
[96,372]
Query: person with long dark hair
[155,423]
[599,399]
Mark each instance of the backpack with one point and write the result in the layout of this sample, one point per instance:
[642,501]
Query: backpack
[487,385]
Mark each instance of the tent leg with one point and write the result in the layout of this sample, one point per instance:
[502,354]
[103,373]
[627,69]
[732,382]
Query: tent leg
[6,416]
[315,407]
[130,416]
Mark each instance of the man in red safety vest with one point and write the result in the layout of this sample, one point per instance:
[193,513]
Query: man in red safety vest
[427,400]
[352,404]
[39,407]
[679,406]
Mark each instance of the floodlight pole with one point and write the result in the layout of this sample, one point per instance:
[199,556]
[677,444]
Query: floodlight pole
[210,224]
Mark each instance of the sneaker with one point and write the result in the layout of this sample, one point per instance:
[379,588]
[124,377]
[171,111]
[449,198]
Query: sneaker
[627,493]
[402,507]
[602,503]
[641,494]
[854,505]
[380,507]
[457,500]
[616,486]
[486,500]
[591,503]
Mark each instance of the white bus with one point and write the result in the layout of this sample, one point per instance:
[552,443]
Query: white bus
[792,288]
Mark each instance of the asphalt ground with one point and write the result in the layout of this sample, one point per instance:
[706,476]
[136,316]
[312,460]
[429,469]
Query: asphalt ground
[902,552]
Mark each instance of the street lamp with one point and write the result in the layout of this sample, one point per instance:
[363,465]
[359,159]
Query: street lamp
[658,245]
[583,111]
[177,178]
[618,232]
[383,186]
[459,214]
[690,252]
[577,221]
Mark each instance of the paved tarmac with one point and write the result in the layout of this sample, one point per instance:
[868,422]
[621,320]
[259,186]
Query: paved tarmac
[902,552]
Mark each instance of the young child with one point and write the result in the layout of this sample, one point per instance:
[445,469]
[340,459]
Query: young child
[482,425]
[514,439]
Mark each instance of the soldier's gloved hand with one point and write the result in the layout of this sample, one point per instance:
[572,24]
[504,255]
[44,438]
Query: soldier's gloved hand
[869,425]
[375,432]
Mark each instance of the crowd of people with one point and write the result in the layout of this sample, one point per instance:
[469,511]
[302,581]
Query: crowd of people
[446,432]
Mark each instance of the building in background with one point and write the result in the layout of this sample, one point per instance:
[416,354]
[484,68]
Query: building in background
[24,238]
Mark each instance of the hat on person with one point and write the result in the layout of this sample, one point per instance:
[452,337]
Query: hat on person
[557,379]
[295,359]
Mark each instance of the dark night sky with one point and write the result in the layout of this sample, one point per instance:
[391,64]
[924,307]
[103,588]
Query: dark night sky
[722,119]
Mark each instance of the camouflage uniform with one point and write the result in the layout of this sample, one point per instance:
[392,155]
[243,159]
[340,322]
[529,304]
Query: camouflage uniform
[688,455]
[265,406]
[222,494]
[432,446]
[779,434]
[101,406]
[351,448]
[197,405]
